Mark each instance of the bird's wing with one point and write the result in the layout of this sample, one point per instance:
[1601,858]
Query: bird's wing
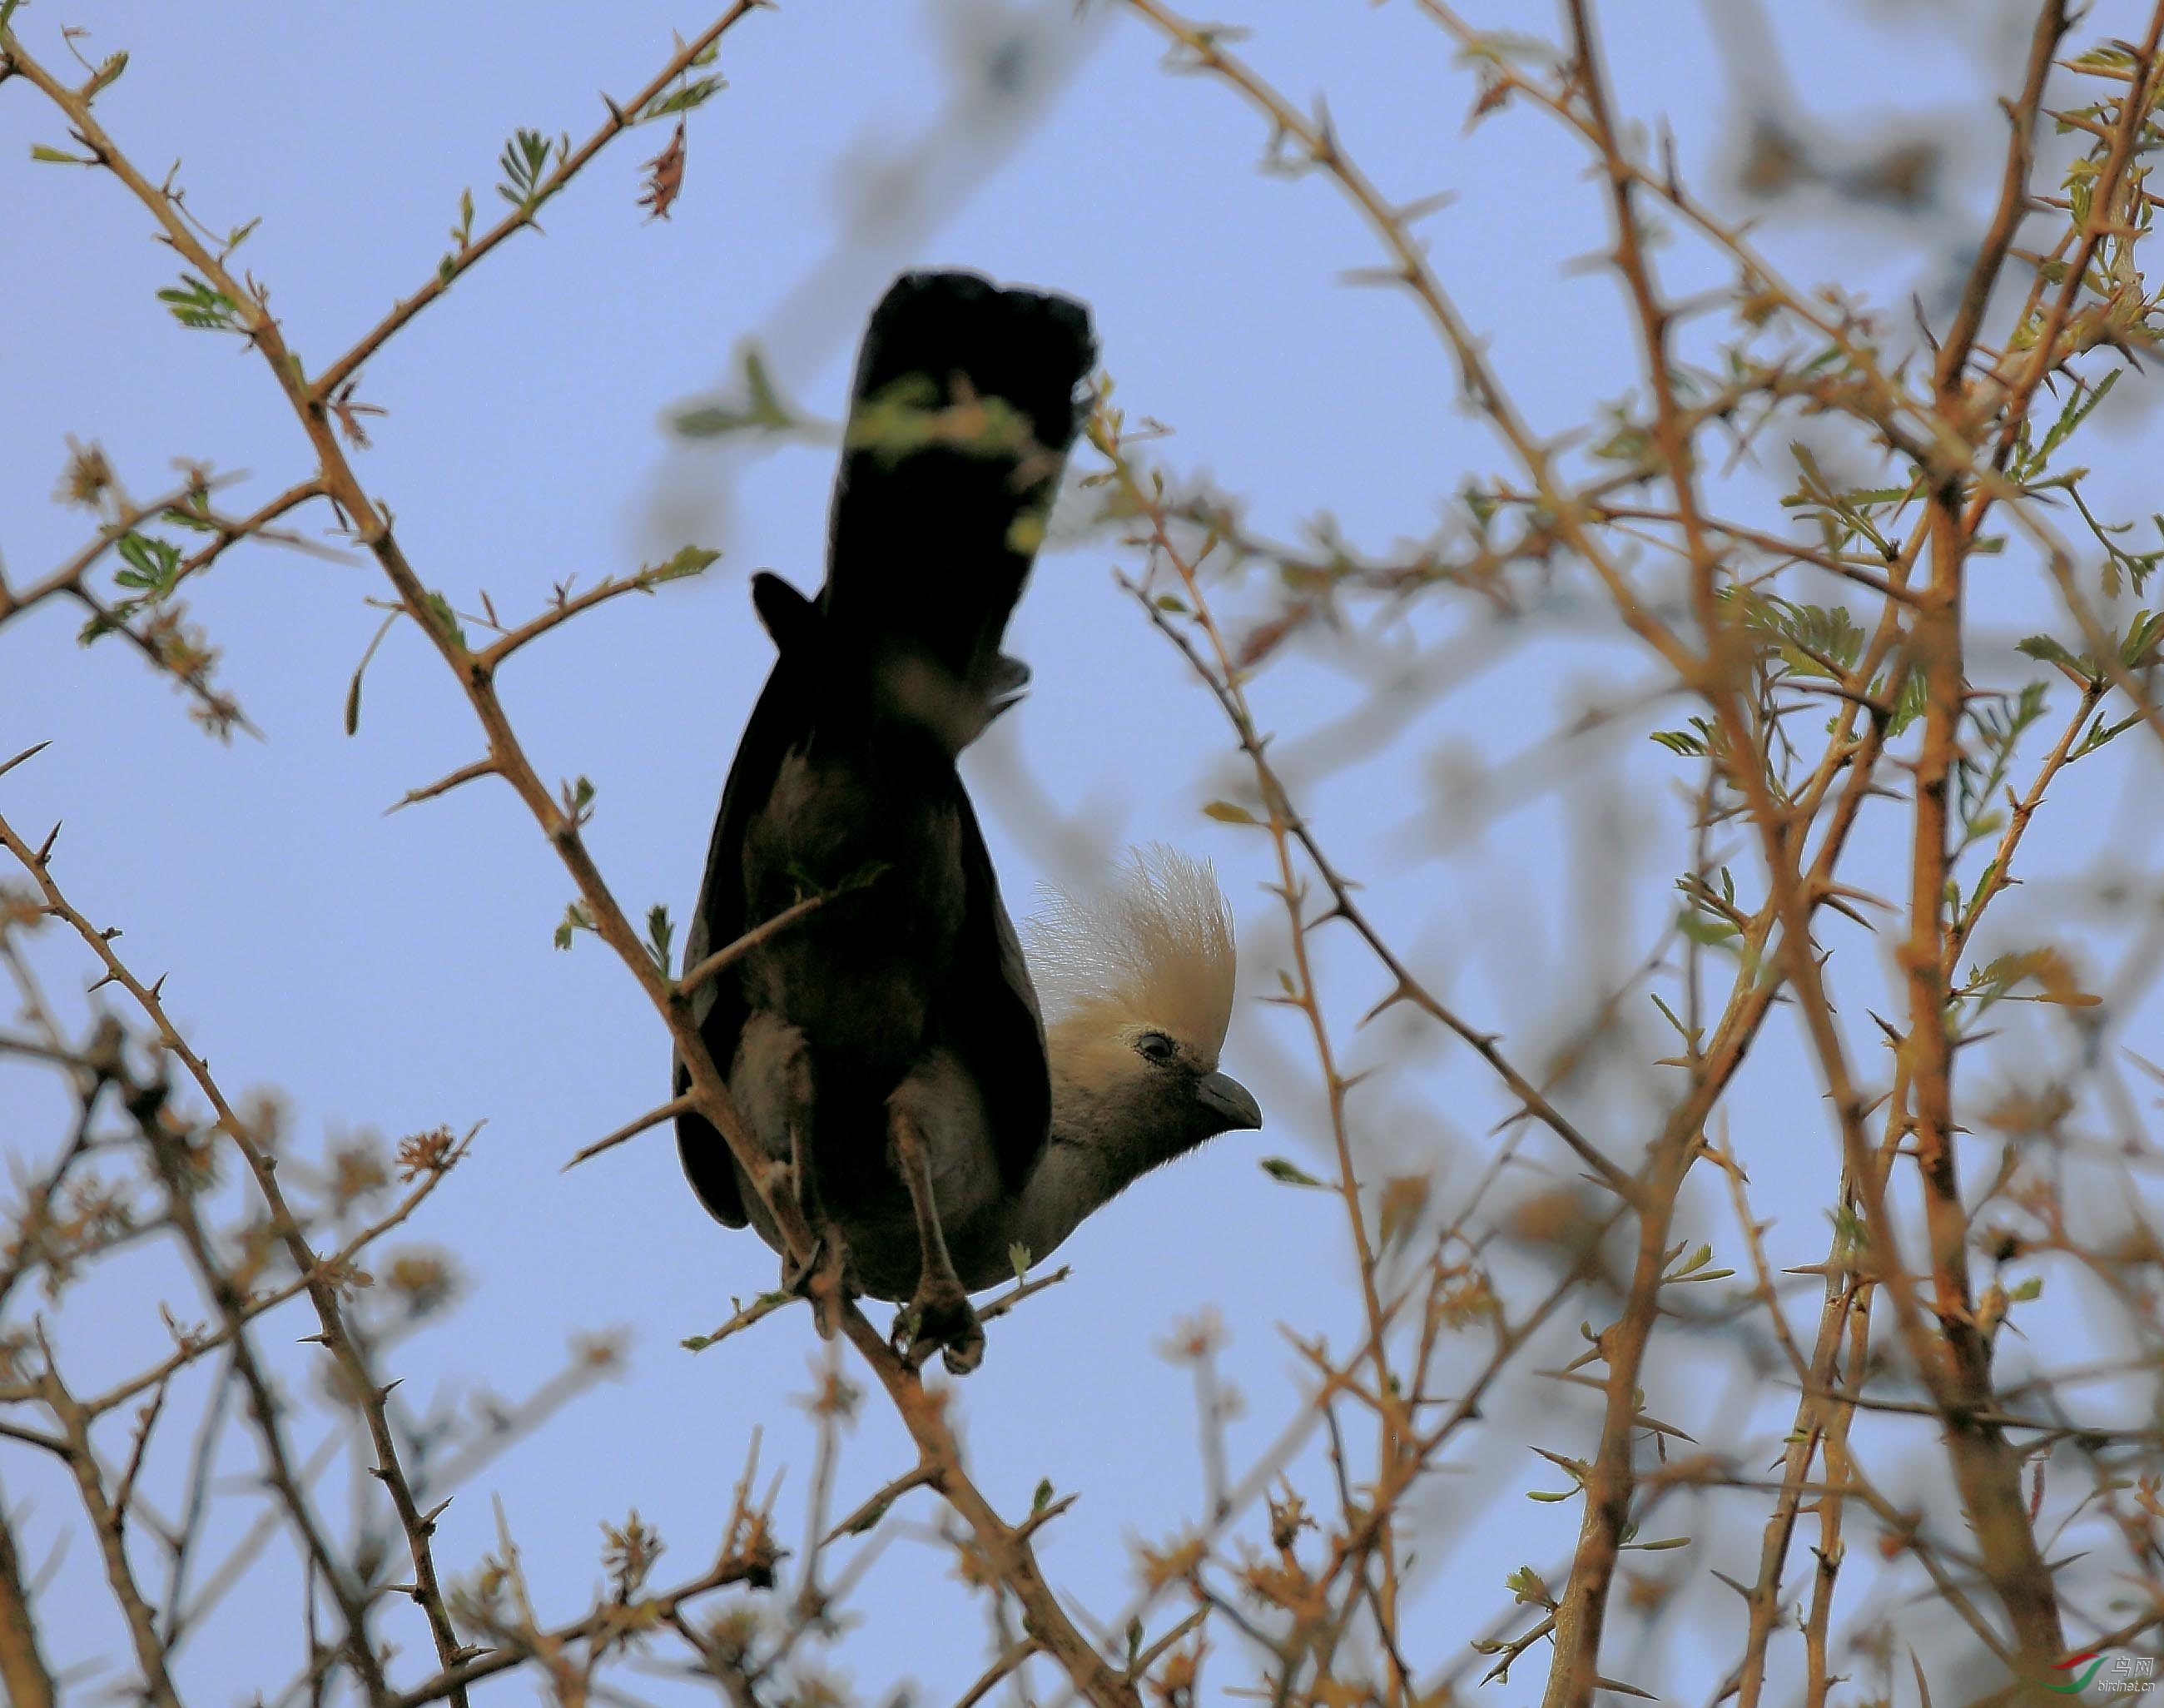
[717,1007]
[998,1029]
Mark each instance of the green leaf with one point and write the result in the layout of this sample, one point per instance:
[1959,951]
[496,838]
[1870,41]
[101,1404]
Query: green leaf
[2072,416]
[687,560]
[153,564]
[2033,1288]
[575,919]
[1911,703]
[660,933]
[525,162]
[57,156]
[445,619]
[1018,1261]
[1042,1498]
[1670,1015]
[1812,640]
[761,409]
[201,306]
[695,93]
[180,517]
[1227,813]
[353,690]
[2099,732]
[2143,636]
[1704,929]
[1291,1174]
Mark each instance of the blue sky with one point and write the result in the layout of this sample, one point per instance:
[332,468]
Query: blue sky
[391,974]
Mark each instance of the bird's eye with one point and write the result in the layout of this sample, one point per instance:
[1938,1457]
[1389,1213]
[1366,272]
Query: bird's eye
[1156,1046]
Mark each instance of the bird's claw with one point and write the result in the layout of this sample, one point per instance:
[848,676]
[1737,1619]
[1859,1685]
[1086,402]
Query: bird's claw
[941,1316]
[795,1277]
[804,1281]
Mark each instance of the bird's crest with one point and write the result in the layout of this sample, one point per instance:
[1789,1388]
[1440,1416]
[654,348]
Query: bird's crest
[1155,947]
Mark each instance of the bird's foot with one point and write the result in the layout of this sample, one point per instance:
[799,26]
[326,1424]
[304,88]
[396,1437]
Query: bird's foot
[941,1315]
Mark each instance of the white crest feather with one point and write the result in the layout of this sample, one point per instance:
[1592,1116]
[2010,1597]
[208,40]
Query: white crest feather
[1154,948]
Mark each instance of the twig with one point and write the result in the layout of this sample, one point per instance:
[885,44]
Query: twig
[622,117]
[323,1294]
[988,1680]
[652,1117]
[24,1672]
[873,1507]
[443,785]
[721,959]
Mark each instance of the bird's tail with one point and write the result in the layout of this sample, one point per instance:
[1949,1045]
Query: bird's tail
[965,407]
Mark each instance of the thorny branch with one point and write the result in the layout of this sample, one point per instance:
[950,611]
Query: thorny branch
[1319,1602]
[1004,1545]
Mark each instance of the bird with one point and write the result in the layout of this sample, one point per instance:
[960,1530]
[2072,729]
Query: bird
[856,1039]
[1137,980]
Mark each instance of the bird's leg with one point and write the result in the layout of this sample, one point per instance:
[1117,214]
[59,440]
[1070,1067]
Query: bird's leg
[939,1314]
[818,1278]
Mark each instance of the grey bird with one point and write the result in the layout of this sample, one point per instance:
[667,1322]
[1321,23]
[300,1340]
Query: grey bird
[859,1041]
[1136,981]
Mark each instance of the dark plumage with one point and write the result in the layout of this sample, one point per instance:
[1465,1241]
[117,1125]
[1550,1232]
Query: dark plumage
[856,1040]
[1136,976]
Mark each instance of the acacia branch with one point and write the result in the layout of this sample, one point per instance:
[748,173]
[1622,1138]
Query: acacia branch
[256,525]
[23,1672]
[1279,802]
[621,117]
[729,954]
[631,1129]
[68,577]
[565,606]
[1009,1553]
[105,1524]
[750,1566]
[1317,144]
[2013,381]
[323,1293]
[1984,271]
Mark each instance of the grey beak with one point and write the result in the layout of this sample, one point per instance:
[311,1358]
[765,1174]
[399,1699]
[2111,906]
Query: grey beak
[1229,1101]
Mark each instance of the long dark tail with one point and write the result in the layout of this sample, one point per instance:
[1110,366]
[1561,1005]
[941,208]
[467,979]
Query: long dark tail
[965,407]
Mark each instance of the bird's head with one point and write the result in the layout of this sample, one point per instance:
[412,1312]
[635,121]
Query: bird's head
[1136,982]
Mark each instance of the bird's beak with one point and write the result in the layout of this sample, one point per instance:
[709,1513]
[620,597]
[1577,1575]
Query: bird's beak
[1229,1101]
[1008,681]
